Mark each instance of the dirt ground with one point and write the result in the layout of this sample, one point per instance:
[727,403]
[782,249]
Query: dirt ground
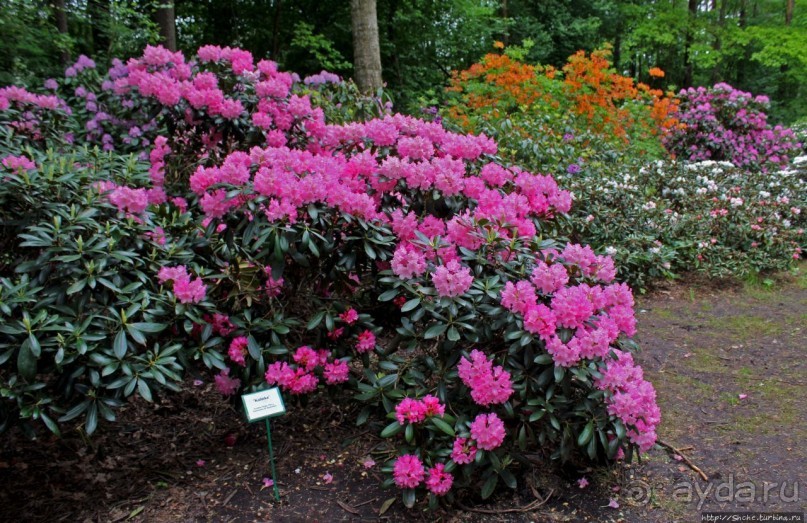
[727,360]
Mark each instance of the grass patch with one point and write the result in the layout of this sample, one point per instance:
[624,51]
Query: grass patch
[703,360]
[743,327]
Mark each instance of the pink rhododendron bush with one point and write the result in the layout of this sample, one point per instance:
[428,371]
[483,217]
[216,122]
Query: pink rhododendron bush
[385,260]
[722,123]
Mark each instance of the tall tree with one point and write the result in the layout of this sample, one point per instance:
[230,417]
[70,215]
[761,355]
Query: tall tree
[692,11]
[98,14]
[366,48]
[166,20]
[61,24]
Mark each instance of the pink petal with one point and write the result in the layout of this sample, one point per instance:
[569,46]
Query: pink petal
[327,478]
[267,483]
[200,463]
[582,482]
[369,463]
[742,396]
[613,503]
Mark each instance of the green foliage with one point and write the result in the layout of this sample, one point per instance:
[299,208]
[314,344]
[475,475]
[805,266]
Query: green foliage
[83,324]
[321,50]
[30,45]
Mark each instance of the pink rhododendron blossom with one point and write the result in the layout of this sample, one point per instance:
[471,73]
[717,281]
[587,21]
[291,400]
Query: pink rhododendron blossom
[519,297]
[410,410]
[489,385]
[452,279]
[129,200]
[408,471]
[633,399]
[336,333]
[549,278]
[306,357]
[336,372]
[185,289]
[18,163]
[464,451]
[350,316]
[539,319]
[221,324]
[189,291]
[238,350]
[488,431]
[433,406]
[366,342]
[273,286]
[226,385]
[296,381]
[439,481]
[408,262]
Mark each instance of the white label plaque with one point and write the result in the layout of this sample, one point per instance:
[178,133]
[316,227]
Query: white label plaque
[263,404]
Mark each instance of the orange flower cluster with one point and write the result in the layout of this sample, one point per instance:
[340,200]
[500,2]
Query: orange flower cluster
[609,103]
[608,99]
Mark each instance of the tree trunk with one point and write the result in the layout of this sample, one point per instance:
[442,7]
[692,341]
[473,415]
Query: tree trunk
[718,43]
[692,11]
[276,29]
[166,21]
[366,48]
[742,23]
[98,11]
[61,24]
[505,15]
[786,89]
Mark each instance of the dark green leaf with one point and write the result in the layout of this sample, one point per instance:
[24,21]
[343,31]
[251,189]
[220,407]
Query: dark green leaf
[120,345]
[391,429]
[434,331]
[442,425]
[490,486]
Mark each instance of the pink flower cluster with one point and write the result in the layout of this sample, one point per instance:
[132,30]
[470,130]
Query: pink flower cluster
[409,472]
[439,481]
[410,410]
[27,111]
[408,262]
[238,350]
[18,163]
[301,378]
[366,342]
[723,123]
[632,400]
[489,385]
[185,289]
[452,279]
[226,385]
[488,432]
[83,63]
[596,313]
[464,451]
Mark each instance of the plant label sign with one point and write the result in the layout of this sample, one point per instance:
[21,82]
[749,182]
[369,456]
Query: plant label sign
[263,404]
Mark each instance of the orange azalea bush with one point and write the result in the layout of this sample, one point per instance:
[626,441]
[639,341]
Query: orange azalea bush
[586,95]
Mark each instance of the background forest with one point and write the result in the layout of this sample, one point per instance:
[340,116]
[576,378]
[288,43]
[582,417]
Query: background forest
[754,45]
